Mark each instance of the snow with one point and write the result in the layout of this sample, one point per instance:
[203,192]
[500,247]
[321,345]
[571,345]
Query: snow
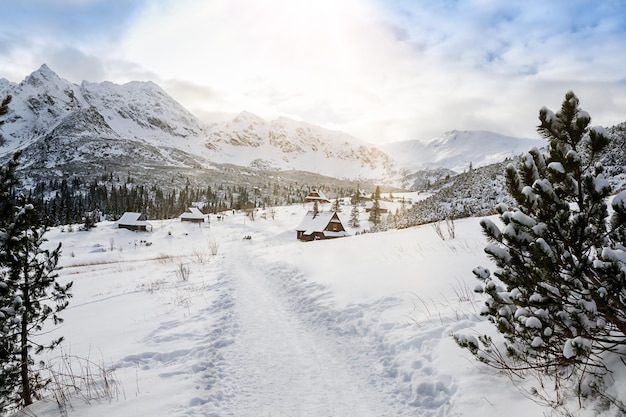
[601,184]
[288,144]
[615,255]
[533,323]
[141,115]
[545,248]
[537,342]
[523,219]
[577,343]
[601,131]
[619,202]
[359,326]
[557,167]
[455,150]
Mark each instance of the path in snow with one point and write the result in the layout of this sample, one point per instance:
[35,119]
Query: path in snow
[271,342]
[280,366]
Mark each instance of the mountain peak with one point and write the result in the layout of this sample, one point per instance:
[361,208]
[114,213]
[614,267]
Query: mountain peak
[246,115]
[45,71]
[455,149]
[41,76]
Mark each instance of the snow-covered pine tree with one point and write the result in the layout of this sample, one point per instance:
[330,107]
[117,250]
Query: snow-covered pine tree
[9,363]
[4,107]
[354,217]
[375,216]
[559,292]
[29,294]
[337,205]
[356,197]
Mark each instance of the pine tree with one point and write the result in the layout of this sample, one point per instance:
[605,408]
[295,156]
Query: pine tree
[316,209]
[4,107]
[374,217]
[356,197]
[354,217]
[29,293]
[9,362]
[337,205]
[559,292]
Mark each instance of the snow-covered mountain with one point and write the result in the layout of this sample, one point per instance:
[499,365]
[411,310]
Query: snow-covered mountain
[136,110]
[65,129]
[58,123]
[91,127]
[455,150]
[288,144]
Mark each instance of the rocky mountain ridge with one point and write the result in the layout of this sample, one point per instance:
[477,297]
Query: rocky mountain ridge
[288,144]
[97,121]
[455,150]
[70,129]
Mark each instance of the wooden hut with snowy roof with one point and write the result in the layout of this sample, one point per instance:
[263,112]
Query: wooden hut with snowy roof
[133,221]
[323,225]
[193,214]
[316,195]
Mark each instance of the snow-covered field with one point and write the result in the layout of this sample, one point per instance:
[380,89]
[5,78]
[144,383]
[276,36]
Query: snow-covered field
[270,326]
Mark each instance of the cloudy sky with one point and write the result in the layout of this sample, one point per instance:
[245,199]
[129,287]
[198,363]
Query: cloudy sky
[382,70]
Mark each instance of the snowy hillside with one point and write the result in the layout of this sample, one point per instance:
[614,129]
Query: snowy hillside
[85,130]
[287,144]
[70,127]
[273,326]
[136,110]
[59,123]
[455,150]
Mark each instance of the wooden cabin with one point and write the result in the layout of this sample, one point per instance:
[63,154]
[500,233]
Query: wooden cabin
[316,195]
[193,214]
[324,225]
[362,195]
[133,221]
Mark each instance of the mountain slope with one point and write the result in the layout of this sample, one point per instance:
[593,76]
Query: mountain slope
[455,150]
[140,116]
[288,144]
[65,129]
[476,192]
[75,128]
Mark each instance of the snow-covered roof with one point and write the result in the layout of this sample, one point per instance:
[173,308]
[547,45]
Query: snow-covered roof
[192,213]
[129,218]
[316,195]
[132,219]
[310,224]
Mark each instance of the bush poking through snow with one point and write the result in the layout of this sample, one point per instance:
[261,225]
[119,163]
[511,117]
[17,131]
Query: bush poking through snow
[450,227]
[182,271]
[75,378]
[199,256]
[214,246]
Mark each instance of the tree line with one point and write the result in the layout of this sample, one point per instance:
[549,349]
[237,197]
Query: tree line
[72,201]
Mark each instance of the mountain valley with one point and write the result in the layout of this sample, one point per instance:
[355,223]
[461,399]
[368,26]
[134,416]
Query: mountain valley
[136,135]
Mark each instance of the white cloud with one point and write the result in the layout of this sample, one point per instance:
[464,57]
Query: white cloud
[382,70]
[332,59]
